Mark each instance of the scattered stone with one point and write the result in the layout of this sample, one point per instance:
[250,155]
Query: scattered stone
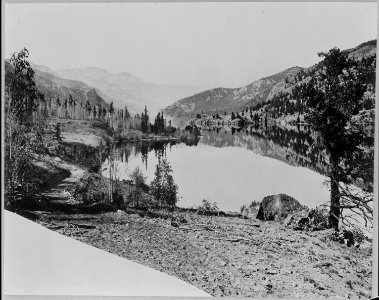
[183,220]
[66,194]
[343,237]
[288,220]
[223,263]
[319,286]
[325,264]
[174,222]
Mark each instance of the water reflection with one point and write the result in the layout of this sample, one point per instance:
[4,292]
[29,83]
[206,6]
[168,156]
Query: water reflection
[295,146]
[234,166]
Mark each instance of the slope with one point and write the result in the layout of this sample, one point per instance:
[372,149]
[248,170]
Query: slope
[258,92]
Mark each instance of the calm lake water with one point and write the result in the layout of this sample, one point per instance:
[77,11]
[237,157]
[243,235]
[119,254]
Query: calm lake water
[234,167]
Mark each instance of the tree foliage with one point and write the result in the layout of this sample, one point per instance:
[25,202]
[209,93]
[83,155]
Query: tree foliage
[332,97]
[159,123]
[163,187]
[20,85]
[139,181]
[23,131]
[144,120]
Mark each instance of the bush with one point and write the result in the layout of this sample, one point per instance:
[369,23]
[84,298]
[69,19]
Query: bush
[255,203]
[163,187]
[91,189]
[138,180]
[318,218]
[243,208]
[358,235]
[206,205]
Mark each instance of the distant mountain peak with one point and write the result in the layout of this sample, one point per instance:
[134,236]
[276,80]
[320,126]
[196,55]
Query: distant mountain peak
[102,70]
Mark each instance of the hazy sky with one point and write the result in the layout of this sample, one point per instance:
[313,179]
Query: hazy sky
[200,44]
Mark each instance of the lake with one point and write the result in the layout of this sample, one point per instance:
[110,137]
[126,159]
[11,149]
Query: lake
[233,167]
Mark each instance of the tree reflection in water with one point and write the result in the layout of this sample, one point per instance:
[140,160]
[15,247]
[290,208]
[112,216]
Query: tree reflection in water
[296,146]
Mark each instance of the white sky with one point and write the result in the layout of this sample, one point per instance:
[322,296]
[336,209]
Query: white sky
[200,44]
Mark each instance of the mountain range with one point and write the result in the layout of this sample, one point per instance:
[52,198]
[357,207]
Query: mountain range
[220,100]
[226,100]
[52,86]
[101,87]
[125,89]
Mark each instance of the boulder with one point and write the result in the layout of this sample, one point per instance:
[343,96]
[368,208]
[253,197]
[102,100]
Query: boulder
[277,207]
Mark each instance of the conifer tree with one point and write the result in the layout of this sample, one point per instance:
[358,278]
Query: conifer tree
[333,96]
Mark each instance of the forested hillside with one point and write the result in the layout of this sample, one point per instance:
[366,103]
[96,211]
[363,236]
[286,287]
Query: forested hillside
[53,88]
[274,95]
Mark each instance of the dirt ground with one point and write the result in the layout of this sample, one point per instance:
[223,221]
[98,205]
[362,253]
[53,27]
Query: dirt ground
[228,256]
[224,256]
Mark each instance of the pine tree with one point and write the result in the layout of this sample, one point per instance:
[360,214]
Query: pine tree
[163,186]
[333,96]
[126,113]
[71,105]
[57,133]
[144,120]
[58,105]
[138,180]
[88,108]
[111,108]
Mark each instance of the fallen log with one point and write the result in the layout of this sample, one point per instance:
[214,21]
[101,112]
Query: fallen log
[56,227]
[231,239]
[85,226]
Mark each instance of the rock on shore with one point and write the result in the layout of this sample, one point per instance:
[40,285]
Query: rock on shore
[277,207]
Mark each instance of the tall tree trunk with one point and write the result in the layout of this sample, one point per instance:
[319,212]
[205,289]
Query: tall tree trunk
[334,212]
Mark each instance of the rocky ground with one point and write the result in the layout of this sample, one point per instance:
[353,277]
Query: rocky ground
[224,256]
[228,256]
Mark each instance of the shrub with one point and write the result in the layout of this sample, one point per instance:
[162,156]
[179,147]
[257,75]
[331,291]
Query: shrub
[255,203]
[358,235]
[206,205]
[138,180]
[163,187]
[318,218]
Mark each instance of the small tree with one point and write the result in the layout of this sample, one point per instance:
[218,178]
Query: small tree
[139,181]
[57,132]
[206,205]
[163,186]
[21,101]
[111,108]
[88,108]
[144,120]
[20,85]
